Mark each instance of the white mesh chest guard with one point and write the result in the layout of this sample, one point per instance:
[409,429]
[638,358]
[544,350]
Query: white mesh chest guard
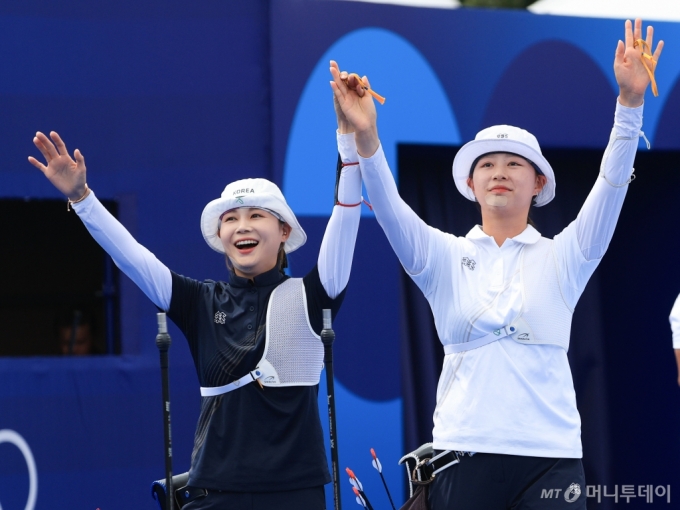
[293,352]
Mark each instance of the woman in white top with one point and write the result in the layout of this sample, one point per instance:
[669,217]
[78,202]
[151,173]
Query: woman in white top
[675,328]
[503,296]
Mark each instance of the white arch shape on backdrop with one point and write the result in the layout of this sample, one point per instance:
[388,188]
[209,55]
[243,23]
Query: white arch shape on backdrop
[12,437]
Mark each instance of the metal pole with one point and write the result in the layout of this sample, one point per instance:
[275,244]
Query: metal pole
[327,337]
[163,342]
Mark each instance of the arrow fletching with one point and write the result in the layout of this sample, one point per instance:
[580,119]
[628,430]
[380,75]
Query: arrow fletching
[376,461]
[360,500]
[378,467]
[354,480]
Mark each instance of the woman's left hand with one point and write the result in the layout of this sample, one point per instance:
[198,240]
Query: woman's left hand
[344,125]
[358,108]
[629,70]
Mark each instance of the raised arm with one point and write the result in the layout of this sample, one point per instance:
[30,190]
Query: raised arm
[406,232]
[597,219]
[69,177]
[337,246]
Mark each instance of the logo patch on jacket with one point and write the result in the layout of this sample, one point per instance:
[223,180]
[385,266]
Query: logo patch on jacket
[469,263]
[220,318]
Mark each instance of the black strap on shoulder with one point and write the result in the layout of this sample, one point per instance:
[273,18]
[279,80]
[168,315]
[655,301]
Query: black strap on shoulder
[338,171]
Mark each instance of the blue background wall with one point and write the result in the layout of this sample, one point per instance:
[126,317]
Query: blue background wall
[170,101]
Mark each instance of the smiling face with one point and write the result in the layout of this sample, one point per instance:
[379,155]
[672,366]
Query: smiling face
[505,183]
[251,239]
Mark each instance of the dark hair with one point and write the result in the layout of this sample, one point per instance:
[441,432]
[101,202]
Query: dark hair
[536,169]
[73,318]
[66,317]
[282,259]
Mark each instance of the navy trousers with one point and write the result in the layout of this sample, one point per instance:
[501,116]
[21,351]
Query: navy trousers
[301,499]
[509,482]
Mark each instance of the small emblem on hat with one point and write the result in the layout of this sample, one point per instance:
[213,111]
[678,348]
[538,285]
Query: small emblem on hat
[502,135]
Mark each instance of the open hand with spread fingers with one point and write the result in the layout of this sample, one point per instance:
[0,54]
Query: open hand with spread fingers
[67,175]
[631,65]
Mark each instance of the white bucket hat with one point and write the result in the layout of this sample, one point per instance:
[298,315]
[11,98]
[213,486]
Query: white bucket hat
[502,139]
[259,193]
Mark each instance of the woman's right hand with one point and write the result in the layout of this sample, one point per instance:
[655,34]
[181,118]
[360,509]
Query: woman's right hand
[67,175]
[358,108]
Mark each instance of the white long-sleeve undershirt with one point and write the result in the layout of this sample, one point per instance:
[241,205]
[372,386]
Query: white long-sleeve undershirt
[154,278]
[595,223]
[474,286]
